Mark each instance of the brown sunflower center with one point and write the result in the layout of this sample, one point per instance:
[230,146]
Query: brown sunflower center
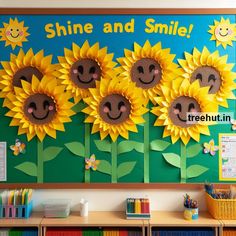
[114,109]
[85,72]
[26,74]
[207,76]
[180,107]
[39,109]
[146,73]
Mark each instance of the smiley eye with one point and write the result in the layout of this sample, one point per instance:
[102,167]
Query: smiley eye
[151,68]
[108,105]
[120,104]
[140,69]
[199,76]
[92,70]
[17,30]
[227,29]
[11,29]
[33,105]
[45,104]
[211,77]
[190,107]
[178,107]
[220,28]
[81,69]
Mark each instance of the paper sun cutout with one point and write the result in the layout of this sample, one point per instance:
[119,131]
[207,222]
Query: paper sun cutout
[82,66]
[223,32]
[14,33]
[22,67]
[178,98]
[40,108]
[210,70]
[114,108]
[91,163]
[149,67]
[210,147]
[18,148]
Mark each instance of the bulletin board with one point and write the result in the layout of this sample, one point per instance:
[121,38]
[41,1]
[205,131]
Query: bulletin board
[150,68]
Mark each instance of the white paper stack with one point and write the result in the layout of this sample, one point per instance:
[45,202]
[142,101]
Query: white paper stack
[57,208]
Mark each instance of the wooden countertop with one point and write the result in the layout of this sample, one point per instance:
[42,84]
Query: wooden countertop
[101,218]
[173,219]
[33,221]
[229,223]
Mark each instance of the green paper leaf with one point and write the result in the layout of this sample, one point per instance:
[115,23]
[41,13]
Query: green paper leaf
[128,146]
[104,167]
[125,168]
[50,153]
[172,159]
[76,148]
[159,145]
[28,168]
[195,171]
[103,145]
[194,150]
[78,107]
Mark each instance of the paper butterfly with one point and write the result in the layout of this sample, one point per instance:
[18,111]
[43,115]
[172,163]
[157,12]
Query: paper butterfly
[91,163]
[210,147]
[18,148]
[233,122]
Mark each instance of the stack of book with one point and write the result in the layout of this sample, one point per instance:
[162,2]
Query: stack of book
[57,208]
[138,208]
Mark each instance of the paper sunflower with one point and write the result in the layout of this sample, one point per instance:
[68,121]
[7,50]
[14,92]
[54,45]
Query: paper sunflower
[149,67]
[223,32]
[178,99]
[114,108]
[40,108]
[14,33]
[22,67]
[82,66]
[210,70]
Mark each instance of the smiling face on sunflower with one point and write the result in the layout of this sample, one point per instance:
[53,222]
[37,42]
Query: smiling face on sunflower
[82,66]
[40,108]
[148,67]
[180,98]
[22,67]
[210,70]
[115,107]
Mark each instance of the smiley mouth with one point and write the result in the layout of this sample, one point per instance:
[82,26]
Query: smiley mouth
[181,118]
[84,82]
[223,35]
[114,118]
[15,36]
[149,82]
[211,88]
[40,118]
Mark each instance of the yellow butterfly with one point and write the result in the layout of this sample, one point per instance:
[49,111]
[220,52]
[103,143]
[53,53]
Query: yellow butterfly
[91,163]
[18,148]
[210,147]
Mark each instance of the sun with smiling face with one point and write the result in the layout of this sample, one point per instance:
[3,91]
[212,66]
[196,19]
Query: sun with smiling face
[223,32]
[40,108]
[22,67]
[179,98]
[114,107]
[82,66]
[212,70]
[148,67]
[14,33]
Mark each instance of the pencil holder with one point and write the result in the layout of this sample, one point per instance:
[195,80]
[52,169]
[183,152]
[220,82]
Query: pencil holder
[191,213]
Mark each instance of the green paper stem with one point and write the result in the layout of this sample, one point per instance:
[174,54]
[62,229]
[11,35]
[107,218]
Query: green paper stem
[87,151]
[146,148]
[40,161]
[183,163]
[114,162]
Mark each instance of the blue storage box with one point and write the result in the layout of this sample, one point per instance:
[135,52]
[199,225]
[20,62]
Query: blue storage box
[16,211]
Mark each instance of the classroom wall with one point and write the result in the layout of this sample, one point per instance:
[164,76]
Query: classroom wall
[105,200]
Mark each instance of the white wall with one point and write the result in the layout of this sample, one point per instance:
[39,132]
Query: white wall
[105,200]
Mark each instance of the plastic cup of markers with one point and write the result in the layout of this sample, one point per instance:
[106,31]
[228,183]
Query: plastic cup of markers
[190,213]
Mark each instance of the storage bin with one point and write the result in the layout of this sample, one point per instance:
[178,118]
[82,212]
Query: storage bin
[221,209]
